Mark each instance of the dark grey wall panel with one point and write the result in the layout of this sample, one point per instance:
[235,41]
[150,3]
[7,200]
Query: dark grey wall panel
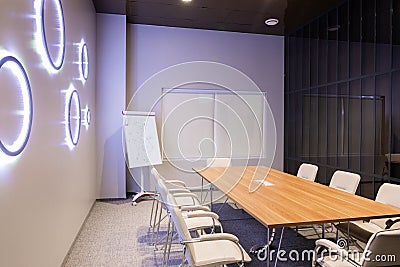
[342,93]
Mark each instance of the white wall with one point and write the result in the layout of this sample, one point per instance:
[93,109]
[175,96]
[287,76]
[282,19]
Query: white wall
[47,191]
[110,101]
[152,49]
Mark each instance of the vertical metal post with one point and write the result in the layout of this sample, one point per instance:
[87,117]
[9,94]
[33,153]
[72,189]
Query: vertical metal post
[268,248]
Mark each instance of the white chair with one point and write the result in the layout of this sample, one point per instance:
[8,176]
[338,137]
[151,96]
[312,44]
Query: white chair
[197,221]
[307,171]
[172,184]
[362,230]
[382,249]
[183,197]
[207,250]
[345,181]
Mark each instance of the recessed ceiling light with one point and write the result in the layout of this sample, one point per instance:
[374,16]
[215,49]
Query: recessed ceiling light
[271,22]
[186,1]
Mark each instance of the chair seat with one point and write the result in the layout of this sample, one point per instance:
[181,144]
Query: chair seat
[209,253]
[359,229]
[201,223]
[187,201]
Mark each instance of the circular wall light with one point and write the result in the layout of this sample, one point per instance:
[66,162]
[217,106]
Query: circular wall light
[86,117]
[50,33]
[72,117]
[84,62]
[15,68]
[271,21]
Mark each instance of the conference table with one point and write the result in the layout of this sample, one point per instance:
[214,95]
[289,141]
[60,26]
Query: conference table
[278,199]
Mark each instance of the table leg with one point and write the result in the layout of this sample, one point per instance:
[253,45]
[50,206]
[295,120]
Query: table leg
[211,197]
[201,190]
[279,246]
[348,235]
[268,247]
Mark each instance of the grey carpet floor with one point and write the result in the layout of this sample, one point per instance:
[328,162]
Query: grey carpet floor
[117,234]
[110,234]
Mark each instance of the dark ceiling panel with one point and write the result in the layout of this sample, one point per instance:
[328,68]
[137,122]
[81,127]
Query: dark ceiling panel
[112,7]
[209,15]
[228,15]
[299,12]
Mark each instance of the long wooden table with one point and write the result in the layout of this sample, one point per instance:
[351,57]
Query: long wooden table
[290,200]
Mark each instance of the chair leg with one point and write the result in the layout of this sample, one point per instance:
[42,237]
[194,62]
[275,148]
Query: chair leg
[155,221]
[152,210]
[166,240]
[160,239]
[183,257]
[316,231]
[170,242]
[350,240]
[158,226]
[159,220]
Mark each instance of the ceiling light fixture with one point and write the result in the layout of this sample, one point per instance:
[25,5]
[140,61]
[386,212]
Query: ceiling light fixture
[186,1]
[271,21]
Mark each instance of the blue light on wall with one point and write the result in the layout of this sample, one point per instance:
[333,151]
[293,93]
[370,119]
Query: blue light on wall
[14,66]
[50,33]
[72,117]
[84,61]
[86,117]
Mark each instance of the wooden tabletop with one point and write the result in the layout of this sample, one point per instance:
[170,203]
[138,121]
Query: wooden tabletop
[291,200]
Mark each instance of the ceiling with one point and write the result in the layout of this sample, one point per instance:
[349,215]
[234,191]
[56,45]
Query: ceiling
[226,15]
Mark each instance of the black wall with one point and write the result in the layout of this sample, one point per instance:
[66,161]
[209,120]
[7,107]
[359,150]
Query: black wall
[342,93]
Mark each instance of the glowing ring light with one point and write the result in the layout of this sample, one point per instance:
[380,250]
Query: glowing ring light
[88,117]
[84,62]
[19,72]
[73,136]
[58,59]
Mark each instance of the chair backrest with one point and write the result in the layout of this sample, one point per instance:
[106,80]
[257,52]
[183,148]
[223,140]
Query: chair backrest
[382,249]
[218,162]
[177,219]
[156,176]
[388,194]
[345,181]
[154,172]
[307,171]
[162,189]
